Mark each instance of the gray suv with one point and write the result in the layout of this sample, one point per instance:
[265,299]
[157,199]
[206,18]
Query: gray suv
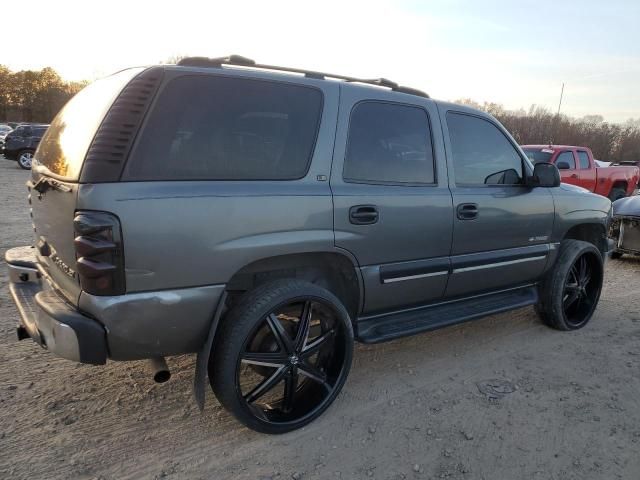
[266,218]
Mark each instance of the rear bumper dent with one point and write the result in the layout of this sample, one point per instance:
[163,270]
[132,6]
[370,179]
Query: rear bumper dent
[133,326]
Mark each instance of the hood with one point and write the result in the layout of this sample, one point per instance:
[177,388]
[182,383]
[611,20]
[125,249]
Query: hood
[628,206]
[573,188]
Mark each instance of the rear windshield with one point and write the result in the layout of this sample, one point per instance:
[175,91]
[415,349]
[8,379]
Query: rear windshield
[64,145]
[223,128]
[538,155]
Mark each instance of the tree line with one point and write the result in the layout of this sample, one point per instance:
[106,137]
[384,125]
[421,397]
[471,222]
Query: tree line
[33,95]
[610,142]
[37,95]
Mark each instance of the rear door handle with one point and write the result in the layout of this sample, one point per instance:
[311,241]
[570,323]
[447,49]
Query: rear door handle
[363,214]
[467,211]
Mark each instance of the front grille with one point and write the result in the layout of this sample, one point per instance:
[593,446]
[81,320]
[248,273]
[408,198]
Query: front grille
[629,238]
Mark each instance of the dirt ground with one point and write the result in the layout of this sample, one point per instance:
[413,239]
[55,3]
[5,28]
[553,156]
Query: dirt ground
[500,398]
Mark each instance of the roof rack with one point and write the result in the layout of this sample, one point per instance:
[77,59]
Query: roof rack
[238,60]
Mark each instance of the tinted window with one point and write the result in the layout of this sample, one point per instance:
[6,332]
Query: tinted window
[217,128]
[389,144]
[65,143]
[584,159]
[482,155]
[566,157]
[537,155]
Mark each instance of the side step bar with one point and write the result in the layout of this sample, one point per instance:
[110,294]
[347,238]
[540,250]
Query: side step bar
[381,328]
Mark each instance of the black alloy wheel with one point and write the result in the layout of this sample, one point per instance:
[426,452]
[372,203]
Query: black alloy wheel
[580,292]
[570,292]
[292,361]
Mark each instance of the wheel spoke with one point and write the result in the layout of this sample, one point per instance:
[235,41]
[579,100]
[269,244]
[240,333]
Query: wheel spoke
[571,298]
[583,269]
[266,385]
[574,273]
[276,359]
[290,386]
[303,327]
[317,344]
[314,374]
[282,337]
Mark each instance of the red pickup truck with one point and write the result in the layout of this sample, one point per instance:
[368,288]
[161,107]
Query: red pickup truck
[576,166]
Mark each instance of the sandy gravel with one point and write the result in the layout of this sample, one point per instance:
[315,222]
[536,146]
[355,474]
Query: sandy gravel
[411,409]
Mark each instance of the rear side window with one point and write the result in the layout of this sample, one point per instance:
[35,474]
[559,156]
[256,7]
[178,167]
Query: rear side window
[389,143]
[584,159]
[482,154]
[65,143]
[565,161]
[221,128]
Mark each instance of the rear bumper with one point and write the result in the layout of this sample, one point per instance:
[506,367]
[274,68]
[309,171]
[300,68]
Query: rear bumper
[134,326]
[47,318]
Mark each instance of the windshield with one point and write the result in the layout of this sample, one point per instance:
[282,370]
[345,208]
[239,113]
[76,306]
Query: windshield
[64,146]
[538,155]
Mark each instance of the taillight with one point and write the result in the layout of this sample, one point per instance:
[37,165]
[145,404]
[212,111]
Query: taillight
[99,253]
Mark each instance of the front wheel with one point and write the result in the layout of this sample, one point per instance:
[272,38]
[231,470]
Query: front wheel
[25,158]
[570,293]
[282,355]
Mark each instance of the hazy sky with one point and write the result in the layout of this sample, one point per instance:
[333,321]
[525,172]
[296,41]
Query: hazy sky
[514,52]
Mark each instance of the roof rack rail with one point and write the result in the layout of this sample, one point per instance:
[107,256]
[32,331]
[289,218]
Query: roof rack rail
[238,60]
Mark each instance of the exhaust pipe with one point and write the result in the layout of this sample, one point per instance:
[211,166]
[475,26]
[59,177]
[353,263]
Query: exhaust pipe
[160,369]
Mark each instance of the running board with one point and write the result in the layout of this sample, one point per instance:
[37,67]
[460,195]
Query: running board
[401,324]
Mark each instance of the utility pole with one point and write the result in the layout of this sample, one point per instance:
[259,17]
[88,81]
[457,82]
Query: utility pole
[561,93]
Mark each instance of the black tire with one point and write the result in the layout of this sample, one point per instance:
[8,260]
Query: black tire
[567,298]
[249,331]
[617,193]
[24,159]
[616,255]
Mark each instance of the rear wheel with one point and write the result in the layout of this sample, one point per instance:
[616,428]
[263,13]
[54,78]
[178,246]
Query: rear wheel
[282,355]
[570,294]
[25,158]
[617,193]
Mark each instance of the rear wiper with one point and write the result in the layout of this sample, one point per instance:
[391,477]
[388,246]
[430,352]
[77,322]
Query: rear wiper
[45,183]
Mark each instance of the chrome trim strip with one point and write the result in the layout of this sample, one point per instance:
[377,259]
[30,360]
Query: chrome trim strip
[413,277]
[498,264]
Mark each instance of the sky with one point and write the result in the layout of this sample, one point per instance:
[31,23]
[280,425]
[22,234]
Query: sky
[516,53]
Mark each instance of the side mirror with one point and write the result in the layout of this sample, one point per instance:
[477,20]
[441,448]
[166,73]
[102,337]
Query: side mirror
[545,175]
[563,166]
